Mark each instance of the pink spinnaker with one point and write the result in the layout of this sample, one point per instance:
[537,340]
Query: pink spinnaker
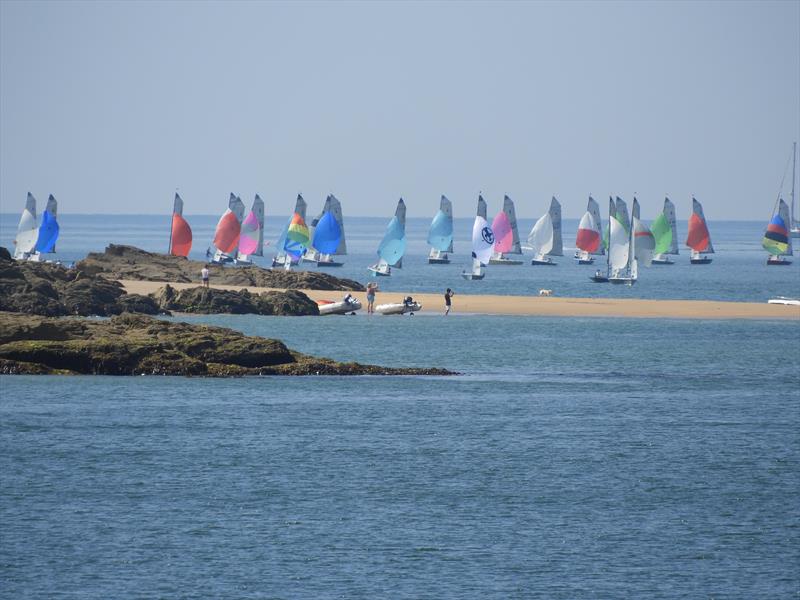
[503,235]
[248,242]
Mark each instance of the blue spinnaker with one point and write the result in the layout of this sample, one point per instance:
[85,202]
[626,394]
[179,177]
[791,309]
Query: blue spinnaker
[440,235]
[48,233]
[327,234]
[393,245]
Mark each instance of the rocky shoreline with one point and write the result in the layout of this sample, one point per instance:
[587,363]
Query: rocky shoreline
[140,345]
[128,262]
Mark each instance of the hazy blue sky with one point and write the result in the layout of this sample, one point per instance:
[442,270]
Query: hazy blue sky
[111,106]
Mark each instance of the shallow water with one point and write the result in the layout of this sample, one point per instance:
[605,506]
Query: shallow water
[573,459]
[739,270]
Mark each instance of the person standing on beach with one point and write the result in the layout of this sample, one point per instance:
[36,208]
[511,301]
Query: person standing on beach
[372,287]
[447,301]
[204,276]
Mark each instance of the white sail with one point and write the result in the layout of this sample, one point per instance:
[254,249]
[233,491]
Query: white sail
[482,240]
[618,247]
[555,218]
[27,230]
[540,239]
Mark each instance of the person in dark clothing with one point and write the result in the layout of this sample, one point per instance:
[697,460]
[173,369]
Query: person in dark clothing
[447,301]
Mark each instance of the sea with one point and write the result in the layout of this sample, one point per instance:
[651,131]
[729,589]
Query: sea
[569,458]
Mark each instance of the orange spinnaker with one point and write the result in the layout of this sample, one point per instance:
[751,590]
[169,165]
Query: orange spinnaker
[181,236]
[697,239]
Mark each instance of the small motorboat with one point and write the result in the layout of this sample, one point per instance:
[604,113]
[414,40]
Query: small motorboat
[348,306]
[408,305]
[784,300]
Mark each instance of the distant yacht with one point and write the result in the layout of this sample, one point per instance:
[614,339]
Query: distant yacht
[440,234]
[393,244]
[482,243]
[699,239]
[665,232]
[506,235]
[251,239]
[180,234]
[545,236]
[777,241]
[328,239]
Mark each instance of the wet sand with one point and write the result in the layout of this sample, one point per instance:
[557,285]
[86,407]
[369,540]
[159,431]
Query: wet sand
[545,306]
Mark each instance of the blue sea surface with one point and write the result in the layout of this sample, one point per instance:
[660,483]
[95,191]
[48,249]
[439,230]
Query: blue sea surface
[738,272]
[572,458]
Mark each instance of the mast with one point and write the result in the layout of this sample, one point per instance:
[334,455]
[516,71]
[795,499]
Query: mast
[794,166]
[171,217]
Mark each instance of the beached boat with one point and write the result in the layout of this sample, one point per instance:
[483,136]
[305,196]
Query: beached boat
[348,306]
[393,244]
[407,306]
[180,234]
[784,300]
[545,236]
[698,238]
[482,244]
[665,232]
[777,241]
[440,234]
[27,230]
[282,258]
[251,238]
[506,236]
[330,225]
[226,236]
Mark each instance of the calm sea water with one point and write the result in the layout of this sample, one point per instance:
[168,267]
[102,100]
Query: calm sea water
[573,459]
[739,270]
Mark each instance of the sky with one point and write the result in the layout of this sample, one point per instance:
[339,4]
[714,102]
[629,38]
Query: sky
[112,106]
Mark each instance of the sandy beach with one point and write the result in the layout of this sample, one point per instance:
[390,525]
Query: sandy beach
[545,306]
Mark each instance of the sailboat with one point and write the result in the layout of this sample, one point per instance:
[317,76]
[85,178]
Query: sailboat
[440,234]
[282,259]
[545,236]
[482,243]
[48,232]
[506,235]
[582,255]
[643,237]
[393,244]
[295,243]
[623,266]
[665,232]
[777,240]
[180,234]
[226,235]
[27,230]
[332,228]
[795,222]
[251,238]
[698,239]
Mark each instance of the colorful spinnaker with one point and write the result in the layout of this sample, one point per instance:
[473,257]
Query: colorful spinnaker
[180,234]
[48,229]
[327,234]
[328,226]
[393,245]
[251,240]
[503,235]
[777,240]
[226,235]
[644,242]
[506,235]
[588,237]
[297,238]
[282,258]
[665,231]
[698,238]
[440,234]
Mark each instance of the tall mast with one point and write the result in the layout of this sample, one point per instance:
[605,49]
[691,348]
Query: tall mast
[792,217]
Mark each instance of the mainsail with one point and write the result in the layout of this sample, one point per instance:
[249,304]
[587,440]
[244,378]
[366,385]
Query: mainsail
[48,229]
[251,242]
[27,230]
[777,240]
[440,234]
[621,213]
[618,251]
[699,238]
[594,209]
[612,213]
[180,236]
[555,218]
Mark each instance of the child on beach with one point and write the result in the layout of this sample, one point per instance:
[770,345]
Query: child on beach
[372,287]
[447,301]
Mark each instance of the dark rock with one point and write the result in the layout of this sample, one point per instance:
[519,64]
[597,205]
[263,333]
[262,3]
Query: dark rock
[4,254]
[217,301]
[143,305]
[135,345]
[128,262]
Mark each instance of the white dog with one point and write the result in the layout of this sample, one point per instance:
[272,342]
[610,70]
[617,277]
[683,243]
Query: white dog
[545,292]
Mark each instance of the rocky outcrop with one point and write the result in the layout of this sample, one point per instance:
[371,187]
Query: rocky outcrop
[139,345]
[216,301]
[128,262]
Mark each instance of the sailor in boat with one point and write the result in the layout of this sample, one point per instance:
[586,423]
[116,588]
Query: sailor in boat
[348,298]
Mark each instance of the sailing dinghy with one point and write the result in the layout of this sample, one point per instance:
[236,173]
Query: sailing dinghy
[27,230]
[251,239]
[698,239]
[226,235]
[665,232]
[506,235]
[623,268]
[393,244]
[643,237]
[482,243]
[440,234]
[587,240]
[48,232]
[545,236]
[282,258]
[328,238]
[777,241]
[180,234]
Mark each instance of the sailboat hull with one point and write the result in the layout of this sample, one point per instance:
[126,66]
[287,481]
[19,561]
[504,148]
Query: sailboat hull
[661,261]
[546,262]
[438,261]
[778,261]
[472,276]
[599,278]
[505,261]
[700,260]
[629,281]
[585,261]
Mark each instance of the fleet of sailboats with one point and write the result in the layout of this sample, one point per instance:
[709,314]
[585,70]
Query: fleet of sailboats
[393,244]
[698,238]
[440,234]
[36,238]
